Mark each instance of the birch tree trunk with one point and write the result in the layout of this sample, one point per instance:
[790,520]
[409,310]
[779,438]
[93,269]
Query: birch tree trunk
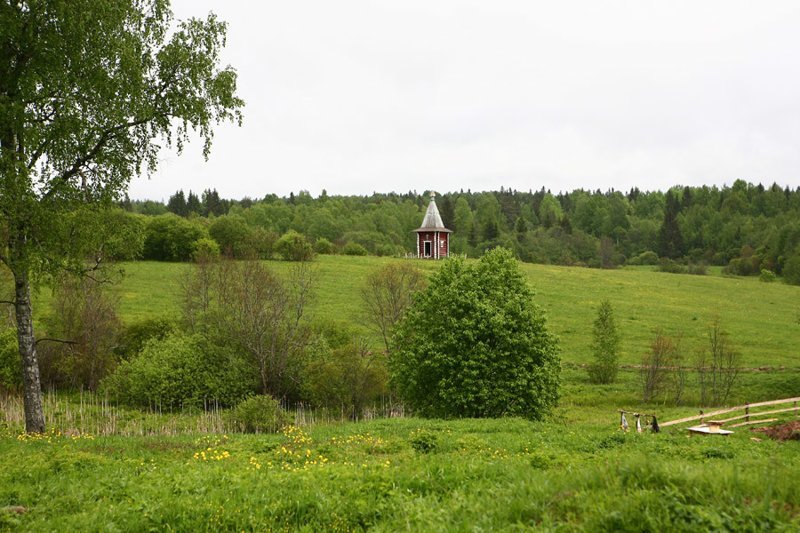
[34,413]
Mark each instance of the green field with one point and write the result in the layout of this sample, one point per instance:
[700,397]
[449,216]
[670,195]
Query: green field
[763,319]
[402,474]
[115,469]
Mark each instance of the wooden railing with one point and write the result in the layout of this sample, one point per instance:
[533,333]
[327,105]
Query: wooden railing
[746,416]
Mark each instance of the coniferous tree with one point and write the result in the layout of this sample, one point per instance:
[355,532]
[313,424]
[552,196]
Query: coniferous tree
[211,203]
[670,240]
[193,204]
[447,211]
[177,204]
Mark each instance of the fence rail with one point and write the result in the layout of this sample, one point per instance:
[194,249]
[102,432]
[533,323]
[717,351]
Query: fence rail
[746,408]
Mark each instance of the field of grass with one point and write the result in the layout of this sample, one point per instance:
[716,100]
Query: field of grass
[763,319]
[104,467]
[401,474]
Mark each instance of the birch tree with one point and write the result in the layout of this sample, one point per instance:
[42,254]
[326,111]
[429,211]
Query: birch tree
[90,91]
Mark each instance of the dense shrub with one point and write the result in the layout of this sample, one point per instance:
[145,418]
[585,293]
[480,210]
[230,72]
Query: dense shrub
[261,242]
[205,249]
[171,238]
[370,240]
[697,269]
[324,247]
[474,344]
[767,276]
[423,441]
[743,266]
[232,234]
[670,266]
[181,371]
[353,248]
[644,258]
[258,414]
[388,250]
[293,246]
[348,376]
[134,337]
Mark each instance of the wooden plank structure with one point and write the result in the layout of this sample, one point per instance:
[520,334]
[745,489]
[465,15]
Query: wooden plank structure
[712,427]
[750,423]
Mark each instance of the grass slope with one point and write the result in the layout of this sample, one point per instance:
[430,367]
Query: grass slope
[763,319]
[573,472]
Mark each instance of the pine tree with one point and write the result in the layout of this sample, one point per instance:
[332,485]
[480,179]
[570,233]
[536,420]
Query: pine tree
[605,346]
[670,240]
[193,204]
[177,204]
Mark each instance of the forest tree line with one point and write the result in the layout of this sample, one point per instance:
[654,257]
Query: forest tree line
[746,228]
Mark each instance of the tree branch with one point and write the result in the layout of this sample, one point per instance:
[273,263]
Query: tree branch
[105,136]
[62,341]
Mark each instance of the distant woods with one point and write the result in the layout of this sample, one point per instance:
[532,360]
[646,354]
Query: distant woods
[748,229]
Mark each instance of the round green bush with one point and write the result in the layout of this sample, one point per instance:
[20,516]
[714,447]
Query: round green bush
[258,414]
[205,249]
[767,276]
[323,246]
[672,267]
[697,269]
[353,248]
[647,258]
[473,344]
[181,371]
[293,246]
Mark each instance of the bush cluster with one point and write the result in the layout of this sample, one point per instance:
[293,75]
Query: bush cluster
[181,371]
[258,414]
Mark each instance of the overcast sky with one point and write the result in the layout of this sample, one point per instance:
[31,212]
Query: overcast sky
[362,96]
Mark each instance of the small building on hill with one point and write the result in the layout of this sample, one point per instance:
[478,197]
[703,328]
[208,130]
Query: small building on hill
[433,239]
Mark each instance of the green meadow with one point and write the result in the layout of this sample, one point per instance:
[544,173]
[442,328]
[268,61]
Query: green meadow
[763,319]
[402,474]
[107,468]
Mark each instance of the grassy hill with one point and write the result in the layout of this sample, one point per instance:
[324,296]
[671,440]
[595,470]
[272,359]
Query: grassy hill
[574,471]
[763,319]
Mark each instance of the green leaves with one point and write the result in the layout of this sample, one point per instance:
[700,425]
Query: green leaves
[605,346]
[474,344]
[92,91]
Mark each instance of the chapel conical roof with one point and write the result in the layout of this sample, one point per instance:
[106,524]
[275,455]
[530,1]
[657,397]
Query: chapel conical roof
[432,220]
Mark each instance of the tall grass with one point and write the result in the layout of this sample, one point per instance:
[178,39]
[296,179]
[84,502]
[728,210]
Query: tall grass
[92,413]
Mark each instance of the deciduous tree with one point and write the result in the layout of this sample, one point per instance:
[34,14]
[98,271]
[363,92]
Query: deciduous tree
[246,305]
[88,88]
[605,346]
[387,294]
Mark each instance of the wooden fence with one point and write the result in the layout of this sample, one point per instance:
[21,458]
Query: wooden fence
[748,414]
